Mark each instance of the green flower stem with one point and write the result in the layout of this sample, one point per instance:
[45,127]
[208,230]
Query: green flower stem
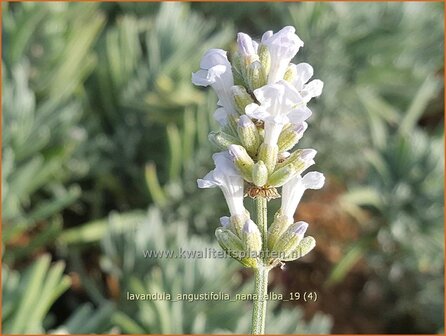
[261,273]
[262,219]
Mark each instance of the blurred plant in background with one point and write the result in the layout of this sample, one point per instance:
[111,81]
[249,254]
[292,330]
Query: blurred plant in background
[99,117]
[47,58]
[401,209]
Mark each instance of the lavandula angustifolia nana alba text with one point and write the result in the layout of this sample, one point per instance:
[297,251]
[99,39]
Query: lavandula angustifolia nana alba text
[262,108]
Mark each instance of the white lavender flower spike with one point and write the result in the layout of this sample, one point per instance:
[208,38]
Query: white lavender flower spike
[262,119]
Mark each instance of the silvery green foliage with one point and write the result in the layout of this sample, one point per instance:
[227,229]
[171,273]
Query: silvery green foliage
[407,40]
[405,196]
[28,296]
[38,141]
[42,69]
[57,40]
[87,319]
[140,93]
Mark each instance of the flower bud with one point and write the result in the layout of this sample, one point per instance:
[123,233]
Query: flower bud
[222,140]
[242,161]
[229,242]
[300,159]
[259,174]
[237,72]
[245,45]
[248,134]
[252,238]
[241,98]
[290,136]
[268,154]
[225,221]
[304,247]
[277,228]
[255,76]
[237,223]
[232,245]
[246,48]
[281,176]
[232,125]
[265,57]
[290,239]
[298,229]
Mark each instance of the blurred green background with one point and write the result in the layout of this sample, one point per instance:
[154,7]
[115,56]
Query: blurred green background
[104,137]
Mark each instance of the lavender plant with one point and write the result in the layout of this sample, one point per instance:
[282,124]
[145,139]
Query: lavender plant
[262,109]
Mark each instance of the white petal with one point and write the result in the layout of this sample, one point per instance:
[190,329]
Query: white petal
[224,165]
[304,72]
[280,119]
[312,89]
[212,58]
[245,44]
[214,73]
[201,78]
[292,192]
[267,93]
[299,115]
[256,112]
[226,176]
[292,96]
[301,127]
[267,35]
[273,128]
[208,181]
[313,180]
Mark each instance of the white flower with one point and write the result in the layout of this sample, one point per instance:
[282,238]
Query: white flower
[216,72]
[293,190]
[282,46]
[280,103]
[227,178]
[302,73]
